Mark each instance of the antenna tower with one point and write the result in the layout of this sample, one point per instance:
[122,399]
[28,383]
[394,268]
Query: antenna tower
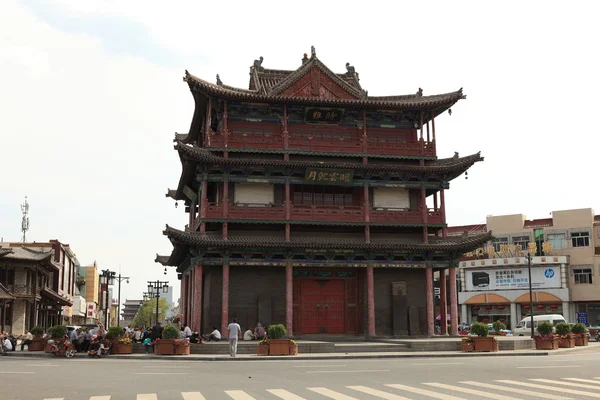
[25,219]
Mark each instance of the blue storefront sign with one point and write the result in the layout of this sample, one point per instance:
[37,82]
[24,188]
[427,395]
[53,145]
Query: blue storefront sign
[582,318]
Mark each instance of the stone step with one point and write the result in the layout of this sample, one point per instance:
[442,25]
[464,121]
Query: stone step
[247,347]
[370,347]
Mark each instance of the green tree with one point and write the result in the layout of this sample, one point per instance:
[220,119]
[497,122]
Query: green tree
[146,314]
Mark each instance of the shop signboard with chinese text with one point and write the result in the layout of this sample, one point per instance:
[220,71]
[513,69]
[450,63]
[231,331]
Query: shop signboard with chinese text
[512,278]
[91,309]
[582,318]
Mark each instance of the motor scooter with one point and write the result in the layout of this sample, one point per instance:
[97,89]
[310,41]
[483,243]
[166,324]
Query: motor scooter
[64,348]
[597,336]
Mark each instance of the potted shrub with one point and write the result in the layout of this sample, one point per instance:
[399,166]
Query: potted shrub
[165,346]
[581,336]
[467,344]
[125,346]
[545,339]
[483,342]
[263,348]
[57,334]
[181,347]
[565,338]
[38,341]
[277,345]
[498,328]
[113,335]
[293,348]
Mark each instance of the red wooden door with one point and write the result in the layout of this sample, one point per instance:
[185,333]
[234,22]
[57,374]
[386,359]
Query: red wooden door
[322,306]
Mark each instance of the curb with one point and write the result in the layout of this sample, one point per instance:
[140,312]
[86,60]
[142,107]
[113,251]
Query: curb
[294,358]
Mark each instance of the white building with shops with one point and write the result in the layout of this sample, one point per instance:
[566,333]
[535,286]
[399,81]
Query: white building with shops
[494,289]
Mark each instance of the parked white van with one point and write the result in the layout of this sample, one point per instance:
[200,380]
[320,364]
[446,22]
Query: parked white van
[524,327]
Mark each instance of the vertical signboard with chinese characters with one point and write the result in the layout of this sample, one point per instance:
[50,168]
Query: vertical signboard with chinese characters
[582,318]
[512,278]
[90,310]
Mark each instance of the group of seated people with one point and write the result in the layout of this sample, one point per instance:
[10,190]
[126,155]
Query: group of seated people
[258,333]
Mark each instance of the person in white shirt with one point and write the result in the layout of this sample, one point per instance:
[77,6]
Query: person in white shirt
[187,331]
[7,344]
[215,335]
[233,332]
[26,340]
[249,335]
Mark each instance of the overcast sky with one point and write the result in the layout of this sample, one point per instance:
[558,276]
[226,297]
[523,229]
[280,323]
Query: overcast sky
[91,93]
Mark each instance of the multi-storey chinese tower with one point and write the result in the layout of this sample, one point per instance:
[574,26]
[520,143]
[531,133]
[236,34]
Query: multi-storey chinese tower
[314,205]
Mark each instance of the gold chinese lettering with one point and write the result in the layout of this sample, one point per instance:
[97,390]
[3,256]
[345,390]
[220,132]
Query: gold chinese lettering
[331,115]
[316,115]
[312,175]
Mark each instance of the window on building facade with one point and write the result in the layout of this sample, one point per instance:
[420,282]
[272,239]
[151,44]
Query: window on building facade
[580,239]
[499,242]
[558,240]
[521,240]
[583,275]
[324,195]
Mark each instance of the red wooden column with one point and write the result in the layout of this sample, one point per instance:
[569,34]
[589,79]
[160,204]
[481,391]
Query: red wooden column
[286,134]
[424,215]
[289,297]
[197,317]
[203,203]
[453,303]
[207,129]
[288,208]
[443,212]
[370,302]
[365,138]
[225,202]
[432,126]
[189,296]
[225,300]
[183,298]
[429,300]
[443,305]
[225,131]
[367,211]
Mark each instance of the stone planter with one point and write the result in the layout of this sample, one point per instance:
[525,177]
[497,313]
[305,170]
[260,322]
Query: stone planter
[36,345]
[293,349]
[546,344]
[485,343]
[279,347]
[581,340]
[182,350]
[467,347]
[164,347]
[262,350]
[568,342]
[125,348]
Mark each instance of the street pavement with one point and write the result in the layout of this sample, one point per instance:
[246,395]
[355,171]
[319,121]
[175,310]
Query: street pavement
[565,375]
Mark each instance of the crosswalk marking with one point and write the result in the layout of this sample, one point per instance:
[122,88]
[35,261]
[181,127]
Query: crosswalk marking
[239,395]
[57,398]
[100,398]
[515,390]
[149,396]
[192,396]
[583,380]
[425,392]
[551,388]
[577,385]
[471,391]
[284,394]
[331,394]
[377,393]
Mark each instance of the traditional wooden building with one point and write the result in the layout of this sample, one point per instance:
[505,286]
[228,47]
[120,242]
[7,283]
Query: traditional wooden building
[314,204]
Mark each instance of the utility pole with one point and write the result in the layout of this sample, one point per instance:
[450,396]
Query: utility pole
[120,279]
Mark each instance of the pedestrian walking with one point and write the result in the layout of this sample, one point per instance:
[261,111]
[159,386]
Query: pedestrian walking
[233,332]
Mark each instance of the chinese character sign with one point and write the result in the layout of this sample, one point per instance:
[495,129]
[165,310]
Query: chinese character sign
[512,278]
[582,318]
[324,176]
[323,115]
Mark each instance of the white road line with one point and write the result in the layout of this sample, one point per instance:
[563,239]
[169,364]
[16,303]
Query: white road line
[582,380]
[346,371]
[149,396]
[57,398]
[331,394]
[239,395]
[17,372]
[550,388]
[577,385]
[424,392]
[161,373]
[515,390]
[377,393]
[320,366]
[192,396]
[551,366]
[284,394]
[471,391]
[100,398]
[42,365]
[440,364]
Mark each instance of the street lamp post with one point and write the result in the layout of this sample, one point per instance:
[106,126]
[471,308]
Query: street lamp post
[154,289]
[120,279]
[531,251]
[108,278]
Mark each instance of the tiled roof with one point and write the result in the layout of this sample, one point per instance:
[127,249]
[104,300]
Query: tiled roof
[466,230]
[538,223]
[436,243]
[172,193]
[5,250]
[56,297]
[434,166]
[162,259]
[5,294]
[27,254]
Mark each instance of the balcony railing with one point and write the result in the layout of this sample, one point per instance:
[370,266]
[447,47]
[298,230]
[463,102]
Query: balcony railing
[323,213]
[275,142]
